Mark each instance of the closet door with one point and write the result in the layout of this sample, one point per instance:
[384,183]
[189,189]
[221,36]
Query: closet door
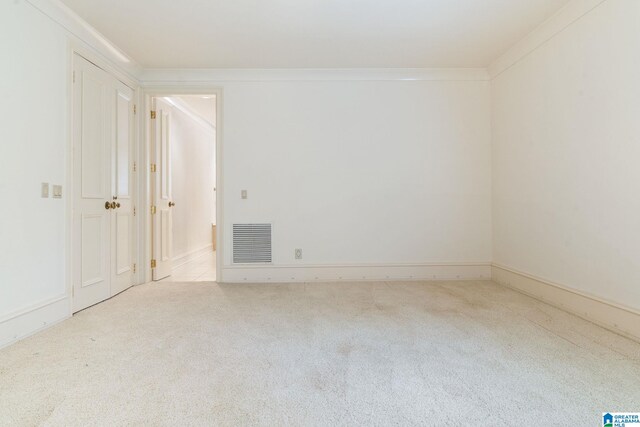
[122,235]
[92,182]
[104,185]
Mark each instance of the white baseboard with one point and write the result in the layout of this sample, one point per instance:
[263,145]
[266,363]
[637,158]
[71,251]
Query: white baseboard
[179,260]
[34,319]
[332,273]
[615,317]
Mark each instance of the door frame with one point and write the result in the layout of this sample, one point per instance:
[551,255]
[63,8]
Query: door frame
[77,48]
[145,159]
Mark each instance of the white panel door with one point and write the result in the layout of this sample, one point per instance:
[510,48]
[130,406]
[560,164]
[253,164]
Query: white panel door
[122,225]
[92,214]
[161,182]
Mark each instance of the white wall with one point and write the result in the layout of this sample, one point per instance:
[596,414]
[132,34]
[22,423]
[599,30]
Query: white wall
[36,37]
[33,149]
[193,179]
[566,180]
[360,172]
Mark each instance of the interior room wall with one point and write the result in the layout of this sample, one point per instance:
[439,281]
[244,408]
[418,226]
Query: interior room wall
[360,172]
[38,37]
[193,178]
[566,180]
[33,149]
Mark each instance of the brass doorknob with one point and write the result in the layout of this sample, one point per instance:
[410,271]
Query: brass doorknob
[118,205]
[113,205]
[171,204]
[107,205]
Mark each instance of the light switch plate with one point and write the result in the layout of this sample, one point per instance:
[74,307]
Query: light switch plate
[243,194]
[44,190]
[57,191]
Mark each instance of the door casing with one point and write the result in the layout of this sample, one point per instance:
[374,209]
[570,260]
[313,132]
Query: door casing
[145,159]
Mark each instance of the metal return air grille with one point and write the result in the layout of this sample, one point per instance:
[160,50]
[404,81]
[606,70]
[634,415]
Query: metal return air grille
[251,243]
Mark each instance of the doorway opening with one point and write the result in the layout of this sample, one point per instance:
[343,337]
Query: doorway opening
[183,187]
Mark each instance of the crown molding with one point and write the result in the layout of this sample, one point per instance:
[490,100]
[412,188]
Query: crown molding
[80,30]
[163,77]
[569,14]
[83,32]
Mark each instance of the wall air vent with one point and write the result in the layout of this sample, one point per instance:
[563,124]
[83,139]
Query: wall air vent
[251,243]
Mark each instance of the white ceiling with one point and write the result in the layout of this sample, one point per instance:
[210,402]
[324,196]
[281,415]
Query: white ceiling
[314,33]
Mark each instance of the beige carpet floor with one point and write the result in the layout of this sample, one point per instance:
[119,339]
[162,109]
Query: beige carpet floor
[436,353]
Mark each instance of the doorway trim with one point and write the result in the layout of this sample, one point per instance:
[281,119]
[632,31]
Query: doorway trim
[145,159]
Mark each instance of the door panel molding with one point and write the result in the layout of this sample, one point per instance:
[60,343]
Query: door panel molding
[93,270]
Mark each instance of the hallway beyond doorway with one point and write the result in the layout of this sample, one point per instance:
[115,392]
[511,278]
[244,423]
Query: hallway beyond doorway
[201,269]
[183,178]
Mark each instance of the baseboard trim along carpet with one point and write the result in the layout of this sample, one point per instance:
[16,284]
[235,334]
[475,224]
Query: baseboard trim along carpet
[615,317]
[332,273]
[24,323]
[184,258]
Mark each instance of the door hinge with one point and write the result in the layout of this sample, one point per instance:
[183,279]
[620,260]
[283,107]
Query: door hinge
[153,210]
[153,167]
[135,109]
[135,166]
[134,268]
[153,114]
[153,263]
[134,211]
[74,76]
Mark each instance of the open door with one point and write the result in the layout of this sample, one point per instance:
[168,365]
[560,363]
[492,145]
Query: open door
[161,203]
